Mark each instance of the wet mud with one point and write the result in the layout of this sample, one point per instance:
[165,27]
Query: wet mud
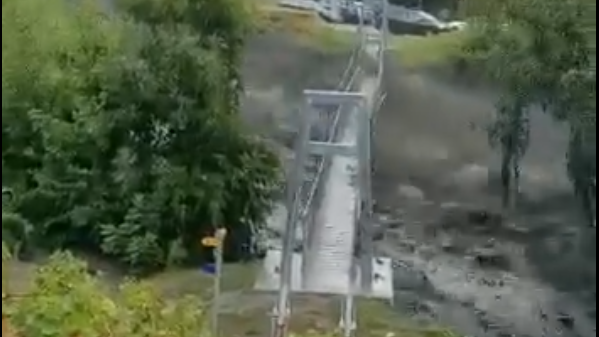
[459,262]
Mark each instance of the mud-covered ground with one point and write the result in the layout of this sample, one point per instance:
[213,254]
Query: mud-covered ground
[458,261]
[277,68]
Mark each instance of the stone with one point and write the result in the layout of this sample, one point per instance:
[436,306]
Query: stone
[408,245]
[518,229]
[450,205]
[567,321]
[378,234]
[471,177]
[407,277]
[411,192]
[449,246]
[592,313]
[390,222]
[491,258]
[395,224]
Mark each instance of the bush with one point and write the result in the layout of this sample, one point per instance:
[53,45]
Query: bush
[120,132]
[66,301]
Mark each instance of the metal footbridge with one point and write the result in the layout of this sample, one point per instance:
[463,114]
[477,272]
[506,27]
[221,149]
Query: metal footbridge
[329,198]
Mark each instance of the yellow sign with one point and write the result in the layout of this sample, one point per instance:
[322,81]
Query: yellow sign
[216,240]
[210,242]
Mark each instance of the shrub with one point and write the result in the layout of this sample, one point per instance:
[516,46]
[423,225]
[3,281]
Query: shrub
[66,301]
[120,130]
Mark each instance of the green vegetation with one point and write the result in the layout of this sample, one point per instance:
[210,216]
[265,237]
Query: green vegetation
[416,52]
[141,309]
[541,52]
[66,301]
[306,27]
[120,132]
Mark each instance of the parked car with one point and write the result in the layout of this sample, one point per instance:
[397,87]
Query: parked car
[403,20]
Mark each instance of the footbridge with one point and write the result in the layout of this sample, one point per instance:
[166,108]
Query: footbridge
[329,197]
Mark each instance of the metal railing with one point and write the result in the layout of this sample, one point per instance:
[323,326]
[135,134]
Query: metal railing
[332,129]
[308,185]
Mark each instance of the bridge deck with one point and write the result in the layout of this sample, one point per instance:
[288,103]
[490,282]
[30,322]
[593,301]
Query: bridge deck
[329,250]
[329,246]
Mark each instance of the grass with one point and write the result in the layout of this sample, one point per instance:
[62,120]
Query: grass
[305,26]
[431,51]
[412,51]
[246,313]
[176,282]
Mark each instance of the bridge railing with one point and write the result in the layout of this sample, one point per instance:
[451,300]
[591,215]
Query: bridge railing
[326,129]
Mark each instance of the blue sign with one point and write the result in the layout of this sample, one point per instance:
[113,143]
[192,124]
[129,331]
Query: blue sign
[209,268]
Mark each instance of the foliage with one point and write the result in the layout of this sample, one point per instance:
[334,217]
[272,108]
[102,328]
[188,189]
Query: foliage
[120,132]
[541,52]
[135,309]
[66,301]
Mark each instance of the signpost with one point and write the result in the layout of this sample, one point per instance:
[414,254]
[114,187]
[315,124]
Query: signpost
[216,242]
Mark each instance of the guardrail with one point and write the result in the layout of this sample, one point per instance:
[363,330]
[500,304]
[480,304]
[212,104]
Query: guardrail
[312,185]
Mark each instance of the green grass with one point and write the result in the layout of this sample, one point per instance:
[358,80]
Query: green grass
[306,27]
[412,51]
[431,51]
[246,312]
[177,282]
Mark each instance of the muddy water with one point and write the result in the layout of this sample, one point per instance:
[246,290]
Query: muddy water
[457,262]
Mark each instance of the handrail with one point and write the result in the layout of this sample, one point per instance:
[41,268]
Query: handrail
[349,76]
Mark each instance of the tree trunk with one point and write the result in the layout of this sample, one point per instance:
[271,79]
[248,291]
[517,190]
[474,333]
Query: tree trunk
[506,180]
[514,189]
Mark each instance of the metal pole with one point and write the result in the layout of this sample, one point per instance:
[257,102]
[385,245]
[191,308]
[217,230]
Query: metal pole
[385,24]
[348,322]
[218,257]
[361,30]
[348,310]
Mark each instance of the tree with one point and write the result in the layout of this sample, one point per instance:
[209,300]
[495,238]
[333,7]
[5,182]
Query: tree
[121,131]
[541,52]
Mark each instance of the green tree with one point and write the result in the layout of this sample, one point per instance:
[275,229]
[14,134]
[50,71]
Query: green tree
[121,132]
[541,52]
